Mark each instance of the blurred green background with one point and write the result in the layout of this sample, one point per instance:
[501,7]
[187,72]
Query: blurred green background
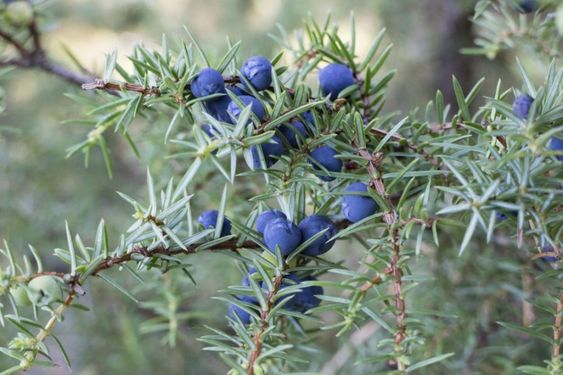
[40,188]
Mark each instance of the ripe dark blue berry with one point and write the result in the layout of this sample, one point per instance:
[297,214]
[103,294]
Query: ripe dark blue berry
[290,131]
[207,82]
[265,217]
[256,107]
[305,299]
[218,109]
[209,130]
[233,311]
[245,281]
[325,157]
[312,225]
[308,116]
[255,158]
[556,144]
[209,220]
[358,207]
[283,233]
[258,70]
[274,147]
[548,249]
[527,6]
[334,78]
[521,106]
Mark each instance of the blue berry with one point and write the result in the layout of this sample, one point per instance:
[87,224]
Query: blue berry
[290,131]
[527,6]
[256,107]
[209,130]
[548,249]
[245,281]
[233,311]
[305,299]
[207,82]
[521,105]
[502,216]
[209,220]
[218,109]
[256,164]
[283,233]
[358,207]
[556,144]
[274,147]
[258,70]
[265,217]
[334,78]
[308,116]
[312,225]
[325,156]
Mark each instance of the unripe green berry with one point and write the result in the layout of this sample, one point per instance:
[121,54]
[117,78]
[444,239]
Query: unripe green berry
[19,13]
[45,289]
[20,296]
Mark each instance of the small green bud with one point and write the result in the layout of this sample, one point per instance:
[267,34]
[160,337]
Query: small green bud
[19,13]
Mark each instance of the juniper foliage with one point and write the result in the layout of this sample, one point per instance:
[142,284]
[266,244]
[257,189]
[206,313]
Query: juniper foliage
[449,177]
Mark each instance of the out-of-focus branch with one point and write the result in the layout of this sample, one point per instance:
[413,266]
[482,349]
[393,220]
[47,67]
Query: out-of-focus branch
[35,57]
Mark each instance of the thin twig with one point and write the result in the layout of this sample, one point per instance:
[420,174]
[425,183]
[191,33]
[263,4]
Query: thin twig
[100,84]
[556,349]
[263,325]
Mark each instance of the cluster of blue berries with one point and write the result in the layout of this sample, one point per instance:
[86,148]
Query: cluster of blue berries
[521,108]
[279,232]
[257,71]
[300,301]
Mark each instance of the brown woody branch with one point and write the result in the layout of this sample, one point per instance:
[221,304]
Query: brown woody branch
[36,57]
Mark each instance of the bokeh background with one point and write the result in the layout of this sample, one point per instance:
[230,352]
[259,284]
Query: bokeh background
[40,188]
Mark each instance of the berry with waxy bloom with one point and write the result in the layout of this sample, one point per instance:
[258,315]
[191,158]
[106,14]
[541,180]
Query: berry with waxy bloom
[548,258]
[312,225]
[521,106]
[274,147]
[556,144]
[207,82]
[305,299]
[291,130]
[357,207]
[258,70]
[265,217]
[208,219]
[325,156]
[234,311]
[283,233]
[334,78]
[255,106]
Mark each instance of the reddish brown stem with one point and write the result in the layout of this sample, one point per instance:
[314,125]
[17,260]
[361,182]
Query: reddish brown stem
[263,325]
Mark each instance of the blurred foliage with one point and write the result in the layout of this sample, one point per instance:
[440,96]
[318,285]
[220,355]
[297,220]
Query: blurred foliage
[471,292]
